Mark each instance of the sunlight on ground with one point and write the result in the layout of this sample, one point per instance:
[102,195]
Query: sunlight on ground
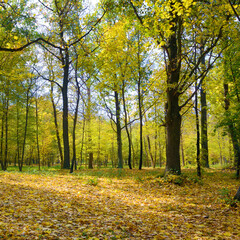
[35,206]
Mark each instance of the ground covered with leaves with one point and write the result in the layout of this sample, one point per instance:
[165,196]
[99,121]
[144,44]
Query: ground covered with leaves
[115,204]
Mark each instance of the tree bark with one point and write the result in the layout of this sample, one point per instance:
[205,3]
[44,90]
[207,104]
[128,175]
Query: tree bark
[56,126]
[150,152]
[20,163]
[75,120]
[173,117]
[204,128]
[88,118]
[83,137]
[204,124]
[173,125]
[66,162]
[37,135]
[127,130]
[6,131]
[236,147]
[140,104]
[2,138]
[119,130]
[237,196]
[182,149]
[198,133]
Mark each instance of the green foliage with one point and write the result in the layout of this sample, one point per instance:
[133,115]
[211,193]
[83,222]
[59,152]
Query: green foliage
[117,51]
[227,198]
[183,179]
[92,181]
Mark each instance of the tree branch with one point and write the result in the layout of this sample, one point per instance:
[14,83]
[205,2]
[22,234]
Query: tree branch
[3,49]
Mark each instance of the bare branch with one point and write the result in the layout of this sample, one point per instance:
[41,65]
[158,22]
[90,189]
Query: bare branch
[3,49]
[47,79]
[46,6]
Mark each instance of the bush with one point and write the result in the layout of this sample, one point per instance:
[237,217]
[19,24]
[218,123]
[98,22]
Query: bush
[92,181]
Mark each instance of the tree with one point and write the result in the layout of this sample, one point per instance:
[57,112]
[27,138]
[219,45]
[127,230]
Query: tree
[60,16]
[168,22]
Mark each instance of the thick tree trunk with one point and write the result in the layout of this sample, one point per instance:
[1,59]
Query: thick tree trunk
[237,196]
[66,162]
[173,117]
[173,124]
[119,130]
[236,147]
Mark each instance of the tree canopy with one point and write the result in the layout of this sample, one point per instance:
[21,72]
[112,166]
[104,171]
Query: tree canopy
[117,84]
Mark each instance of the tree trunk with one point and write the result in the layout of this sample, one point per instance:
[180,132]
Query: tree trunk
[198,133]
[75,121]
[173,117]
[182,149]
[20,164]
[6,132]
[140,104]
[220,149]
[155,146]
[150,152]
[173,135]
[237,196]
[37,133]
[2,138]
[204,128]
[56,126]
[236,147]
[90,161]
[146,150]
[204,124]
[18,142]
[83,136]
[66,162]
[99,162]
[126,127]
[119,130]
[90,151]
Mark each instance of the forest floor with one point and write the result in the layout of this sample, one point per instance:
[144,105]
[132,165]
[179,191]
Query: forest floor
[115,204]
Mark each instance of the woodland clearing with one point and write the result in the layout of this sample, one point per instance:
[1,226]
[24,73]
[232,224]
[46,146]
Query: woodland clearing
[118,204]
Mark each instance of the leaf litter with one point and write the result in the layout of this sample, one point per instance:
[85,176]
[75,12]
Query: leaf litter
[67,206]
